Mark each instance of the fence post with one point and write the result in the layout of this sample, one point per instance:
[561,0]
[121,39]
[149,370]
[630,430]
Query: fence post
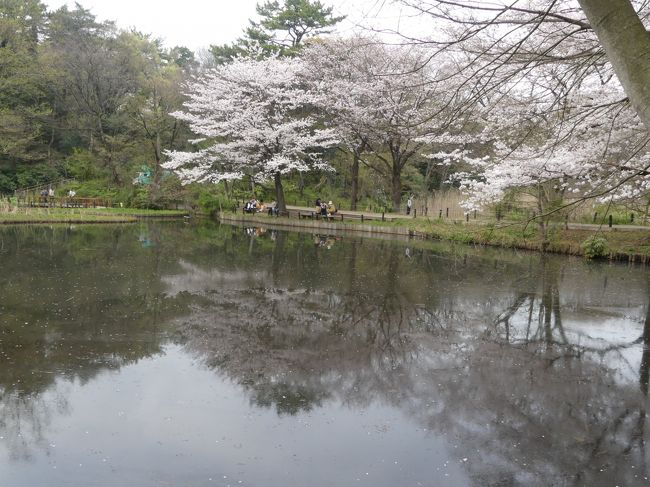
[611,221]
[595,216]
[415,212]
[566,222]
[382,216]
[447,213]
[467,217]
[631,217]
[362,217]
[440,214]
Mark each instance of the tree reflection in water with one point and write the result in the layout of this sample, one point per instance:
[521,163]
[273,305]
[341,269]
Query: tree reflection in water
[527,364]
[75,302]
[533,396]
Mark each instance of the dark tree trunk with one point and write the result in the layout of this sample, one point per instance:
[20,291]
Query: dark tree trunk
[541,222]
[279,194]
[354,191]
[396,189]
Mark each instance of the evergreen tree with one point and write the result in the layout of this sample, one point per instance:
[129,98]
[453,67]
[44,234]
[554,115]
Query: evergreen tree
[282,29]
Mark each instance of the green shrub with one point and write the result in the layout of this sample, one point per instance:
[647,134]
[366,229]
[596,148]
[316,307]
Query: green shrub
[209,202]
[211,199]
[595,247]
[140,198]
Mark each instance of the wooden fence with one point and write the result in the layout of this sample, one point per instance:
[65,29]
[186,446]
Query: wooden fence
[63,202]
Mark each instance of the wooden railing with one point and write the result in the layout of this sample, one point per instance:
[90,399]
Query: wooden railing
[64,202]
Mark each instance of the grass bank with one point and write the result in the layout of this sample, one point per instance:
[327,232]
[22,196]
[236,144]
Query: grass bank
[613,244]
[13,215]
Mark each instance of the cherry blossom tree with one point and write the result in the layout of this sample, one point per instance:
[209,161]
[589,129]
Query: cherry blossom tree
[543,78]
[332,69]
[592,147]
[253,119]
[383,100]
[594,152]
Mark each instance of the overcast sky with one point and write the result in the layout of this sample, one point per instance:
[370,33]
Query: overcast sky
[199,23]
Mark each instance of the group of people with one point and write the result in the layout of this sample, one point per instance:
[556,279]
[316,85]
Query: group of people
[325,209]
[254,205]
[47,193]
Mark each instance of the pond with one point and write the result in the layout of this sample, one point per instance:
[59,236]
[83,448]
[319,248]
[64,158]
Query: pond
[191,354]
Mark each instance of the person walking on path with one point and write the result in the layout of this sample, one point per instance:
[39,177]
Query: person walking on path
[409,204]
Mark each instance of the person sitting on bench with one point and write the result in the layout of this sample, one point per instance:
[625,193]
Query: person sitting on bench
[273,209]
[252,206]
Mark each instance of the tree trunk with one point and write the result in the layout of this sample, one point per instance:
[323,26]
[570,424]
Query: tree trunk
[396,189]
[542,219]
[279,194]
[627,46]
[354,191]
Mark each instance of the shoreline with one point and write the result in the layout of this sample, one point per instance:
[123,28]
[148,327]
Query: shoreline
[40,217]
[65,222]
[319,224]
[568,242]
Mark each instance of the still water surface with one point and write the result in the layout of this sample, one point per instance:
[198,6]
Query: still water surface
[207,355]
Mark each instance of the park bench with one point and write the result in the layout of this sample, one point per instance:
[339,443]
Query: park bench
[309,214]
[251,211]
[338,216]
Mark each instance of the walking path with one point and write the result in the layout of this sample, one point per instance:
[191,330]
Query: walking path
[393,216]
[354,214]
